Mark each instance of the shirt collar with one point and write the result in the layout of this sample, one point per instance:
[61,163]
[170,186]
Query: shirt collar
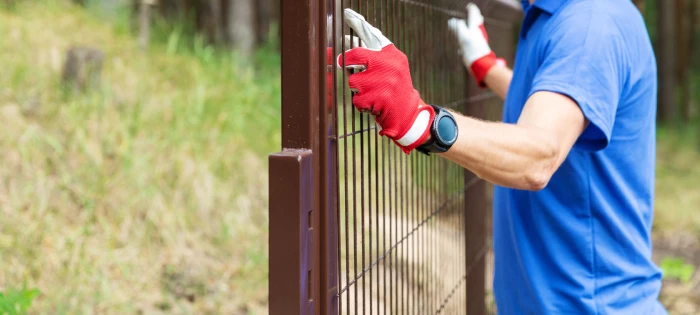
[549,6]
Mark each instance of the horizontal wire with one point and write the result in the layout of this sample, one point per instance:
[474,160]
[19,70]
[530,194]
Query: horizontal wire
[434,213]
[472,99]
[457,13]
[356,132]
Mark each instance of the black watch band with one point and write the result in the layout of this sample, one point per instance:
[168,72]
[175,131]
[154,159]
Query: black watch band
[443,133]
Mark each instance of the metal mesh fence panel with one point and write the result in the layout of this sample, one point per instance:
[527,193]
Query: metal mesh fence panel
[357,226]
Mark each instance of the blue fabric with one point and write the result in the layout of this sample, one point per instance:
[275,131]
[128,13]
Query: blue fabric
[582,245]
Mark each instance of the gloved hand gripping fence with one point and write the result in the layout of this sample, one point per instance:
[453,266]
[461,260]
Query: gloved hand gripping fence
[384,88]
[474,44]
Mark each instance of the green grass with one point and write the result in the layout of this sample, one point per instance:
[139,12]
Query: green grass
[17,301]
[147,195]
[677,206]
[677,268]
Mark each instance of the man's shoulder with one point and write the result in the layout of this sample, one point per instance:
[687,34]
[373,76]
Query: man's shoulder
[596,22]
[598,13]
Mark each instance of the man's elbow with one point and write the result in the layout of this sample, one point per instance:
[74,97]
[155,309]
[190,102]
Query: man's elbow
[536,181]
[537,177]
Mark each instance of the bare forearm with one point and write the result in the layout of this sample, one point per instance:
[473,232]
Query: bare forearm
[498,80]
[508,155]
[523,155]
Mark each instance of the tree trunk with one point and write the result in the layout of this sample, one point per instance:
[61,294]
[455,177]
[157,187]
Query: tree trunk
[263,20]
[217,25]
[145,23]
[666,62]
[242,26]
[83,68]
[683,32]
[693,62]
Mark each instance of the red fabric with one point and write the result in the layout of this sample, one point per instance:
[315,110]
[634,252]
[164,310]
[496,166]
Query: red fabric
[483,30]
[481,67]
[385,89]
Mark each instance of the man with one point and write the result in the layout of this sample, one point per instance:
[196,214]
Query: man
[573,160]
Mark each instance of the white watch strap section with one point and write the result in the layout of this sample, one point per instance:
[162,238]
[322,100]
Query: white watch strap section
[419,126]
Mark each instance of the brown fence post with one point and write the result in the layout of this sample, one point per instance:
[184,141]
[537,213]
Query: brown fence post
[475,204]
[299,181]
[291,234]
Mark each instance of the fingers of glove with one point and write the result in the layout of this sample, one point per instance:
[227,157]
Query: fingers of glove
[364,102]
[474,16]
[373,37]
[360,82]
[356,57]
[458,27]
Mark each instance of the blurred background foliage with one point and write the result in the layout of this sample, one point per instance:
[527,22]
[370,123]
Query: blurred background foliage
[145,191]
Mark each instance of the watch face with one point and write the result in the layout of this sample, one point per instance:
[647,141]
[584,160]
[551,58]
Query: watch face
[447,130]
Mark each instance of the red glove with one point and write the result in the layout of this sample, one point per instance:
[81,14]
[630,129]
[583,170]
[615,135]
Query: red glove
[385,88]
[474,44]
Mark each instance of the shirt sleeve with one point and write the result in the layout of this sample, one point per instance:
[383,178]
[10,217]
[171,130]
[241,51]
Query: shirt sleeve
[583,60]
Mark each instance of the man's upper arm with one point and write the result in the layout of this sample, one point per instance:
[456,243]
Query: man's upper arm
[583,62]
[557,115]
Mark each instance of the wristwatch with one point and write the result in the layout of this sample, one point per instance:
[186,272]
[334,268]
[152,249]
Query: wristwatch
[443,133]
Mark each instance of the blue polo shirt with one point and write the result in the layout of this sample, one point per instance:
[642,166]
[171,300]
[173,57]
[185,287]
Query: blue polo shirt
[582,245]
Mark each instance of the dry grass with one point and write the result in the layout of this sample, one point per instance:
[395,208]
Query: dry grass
[148,195]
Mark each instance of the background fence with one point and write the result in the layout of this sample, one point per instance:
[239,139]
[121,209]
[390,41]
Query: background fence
[356,226]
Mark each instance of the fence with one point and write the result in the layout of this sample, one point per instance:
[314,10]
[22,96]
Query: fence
[356,226]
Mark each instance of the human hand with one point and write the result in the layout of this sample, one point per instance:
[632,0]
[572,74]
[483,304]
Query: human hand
[384,88]
[473,42]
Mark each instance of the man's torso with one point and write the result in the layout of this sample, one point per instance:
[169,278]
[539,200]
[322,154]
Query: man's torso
[582,245]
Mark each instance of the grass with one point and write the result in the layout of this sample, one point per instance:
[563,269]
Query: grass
[677,181]
[17,301]
[147,195]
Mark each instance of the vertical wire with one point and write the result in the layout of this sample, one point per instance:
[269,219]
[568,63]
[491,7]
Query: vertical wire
[345,162]
[393,303]
[354,188]
[335,120]
[393,206]
[377,20]
[406,45]
[361,135]
[384,186]
[433,230]
[414,220]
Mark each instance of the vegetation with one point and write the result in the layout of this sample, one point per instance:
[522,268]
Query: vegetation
[677,268]
[148,194]
[17,301]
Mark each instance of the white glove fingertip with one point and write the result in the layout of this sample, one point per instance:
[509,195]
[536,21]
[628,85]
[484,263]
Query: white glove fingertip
[369,34]
[476,19]
[452,24]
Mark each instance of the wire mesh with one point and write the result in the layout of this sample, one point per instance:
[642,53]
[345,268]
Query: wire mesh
[401,219]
